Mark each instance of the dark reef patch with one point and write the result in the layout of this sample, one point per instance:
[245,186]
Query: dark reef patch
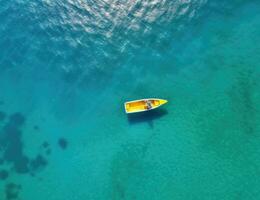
[36,127]
[21,165]
[38,163]
[45,144]
[12,145]
[63,143]
[3,174]
[12,153]
[17,119]
[12,191]
[2,116]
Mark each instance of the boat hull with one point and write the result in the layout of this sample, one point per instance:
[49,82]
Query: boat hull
[141,105]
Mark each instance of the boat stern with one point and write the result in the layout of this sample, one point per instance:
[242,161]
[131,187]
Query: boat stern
[126,107]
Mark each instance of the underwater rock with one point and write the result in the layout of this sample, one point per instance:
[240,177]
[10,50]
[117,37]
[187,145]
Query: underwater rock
[38,162]
[63,143]
[21,165]
[12,191]
[3,174]
[2,116]
[11,142]
[13,148]
[36,127]
[45,144]
[17,119]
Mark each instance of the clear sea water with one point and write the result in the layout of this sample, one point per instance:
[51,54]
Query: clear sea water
[67,67]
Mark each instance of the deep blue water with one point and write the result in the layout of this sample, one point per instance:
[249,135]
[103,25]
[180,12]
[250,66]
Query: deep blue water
[67,67]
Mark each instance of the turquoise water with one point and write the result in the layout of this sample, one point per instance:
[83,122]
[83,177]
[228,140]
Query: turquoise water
[67,67]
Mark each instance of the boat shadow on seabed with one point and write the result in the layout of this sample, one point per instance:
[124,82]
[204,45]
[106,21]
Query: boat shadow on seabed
[148,116]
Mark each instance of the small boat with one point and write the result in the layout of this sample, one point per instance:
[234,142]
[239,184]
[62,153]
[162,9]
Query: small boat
[142,105]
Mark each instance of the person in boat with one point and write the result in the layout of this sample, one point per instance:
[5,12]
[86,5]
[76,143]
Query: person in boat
[148,104]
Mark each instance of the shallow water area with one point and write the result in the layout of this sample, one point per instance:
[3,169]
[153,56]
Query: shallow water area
[66,69]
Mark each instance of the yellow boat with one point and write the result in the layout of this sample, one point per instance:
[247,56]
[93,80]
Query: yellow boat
[142,105]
